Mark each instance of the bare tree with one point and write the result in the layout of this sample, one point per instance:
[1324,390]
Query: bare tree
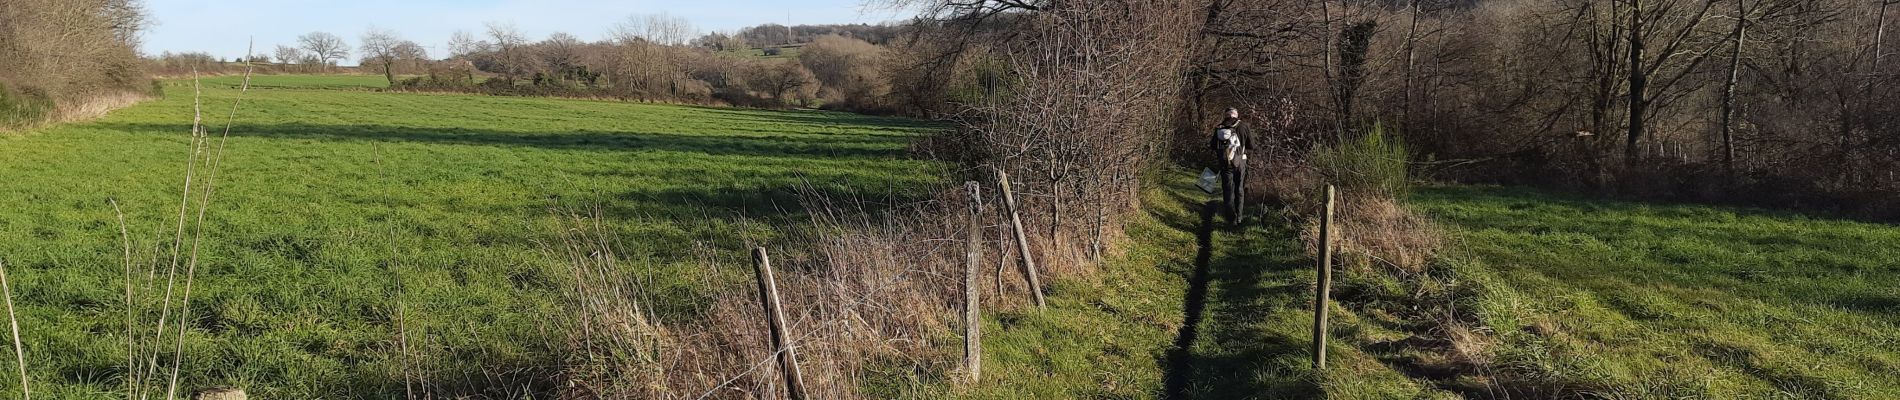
[1676,41]
[1080,90]
[287,55]
[660,29]
[126,19]
[508,42]
[849,69]
[462,44]
[386,48]
[561,48]
[780,78]
[561,53]
[327,48]
[1354,42]
[1736,36]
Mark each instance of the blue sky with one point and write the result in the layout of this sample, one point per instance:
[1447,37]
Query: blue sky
[221,27]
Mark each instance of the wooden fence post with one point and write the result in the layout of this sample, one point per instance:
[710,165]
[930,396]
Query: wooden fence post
[972,318]
[1022,241]
[775,317]
[1325,268]
[1101,218]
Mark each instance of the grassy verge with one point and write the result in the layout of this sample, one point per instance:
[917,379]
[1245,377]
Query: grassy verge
[1225,315]
[1633,300]
[328,196]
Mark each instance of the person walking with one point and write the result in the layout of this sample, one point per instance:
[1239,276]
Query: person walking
[1230,144]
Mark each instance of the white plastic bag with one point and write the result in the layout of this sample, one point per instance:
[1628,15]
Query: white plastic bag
[1210,181]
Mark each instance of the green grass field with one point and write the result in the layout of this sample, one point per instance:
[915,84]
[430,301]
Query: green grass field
[786,52]
[330,193]
[308,82]
[1633,300]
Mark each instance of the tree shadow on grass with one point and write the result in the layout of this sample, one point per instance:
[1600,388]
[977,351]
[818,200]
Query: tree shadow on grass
[785,145]
[893,125]
[834,166]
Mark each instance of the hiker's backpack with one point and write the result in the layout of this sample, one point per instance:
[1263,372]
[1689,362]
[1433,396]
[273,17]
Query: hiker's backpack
[1227,143]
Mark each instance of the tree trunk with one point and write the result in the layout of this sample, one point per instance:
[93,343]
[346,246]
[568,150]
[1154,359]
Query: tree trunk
[1603,50]
[1728,92]
[1055,212]
[1411,61]
[1880,35]
[1326,67]
[1873,73]
[1639,83]
[389,72]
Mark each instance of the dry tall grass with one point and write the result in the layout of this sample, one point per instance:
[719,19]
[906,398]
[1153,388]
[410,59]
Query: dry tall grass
[98,106]
[1375,229]
[614,344]
[866,288]
[1381,233]
[13,322]
[206,157]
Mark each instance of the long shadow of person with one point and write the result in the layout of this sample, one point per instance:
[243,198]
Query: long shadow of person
[1181,357]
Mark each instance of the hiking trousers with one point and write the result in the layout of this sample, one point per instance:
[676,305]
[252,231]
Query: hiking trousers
[1233,176]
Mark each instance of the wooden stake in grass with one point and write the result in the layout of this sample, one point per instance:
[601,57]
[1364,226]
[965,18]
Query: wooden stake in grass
[1022,241]
[775,317]
[19,351]
[1325,268]
[972,319]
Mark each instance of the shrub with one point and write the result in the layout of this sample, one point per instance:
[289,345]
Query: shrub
[22,107]
[59,54]
[1375,163]
[850,71]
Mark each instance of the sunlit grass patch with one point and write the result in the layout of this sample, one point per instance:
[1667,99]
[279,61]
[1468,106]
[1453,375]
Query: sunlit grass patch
[327,196]
[1664,300]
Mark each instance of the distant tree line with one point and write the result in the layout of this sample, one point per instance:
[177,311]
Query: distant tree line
[772,35]
[645,58]
[654,57]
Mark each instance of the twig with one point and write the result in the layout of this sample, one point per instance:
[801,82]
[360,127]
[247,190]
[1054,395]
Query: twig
[178,238]
[131,347]
[19,351]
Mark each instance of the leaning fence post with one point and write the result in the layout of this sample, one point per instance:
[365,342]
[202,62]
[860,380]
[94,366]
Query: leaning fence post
[972,319]
[775,317]
[1022,241]
[1325,269]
